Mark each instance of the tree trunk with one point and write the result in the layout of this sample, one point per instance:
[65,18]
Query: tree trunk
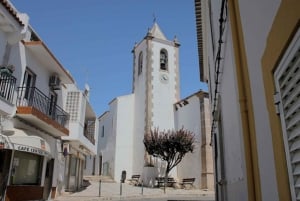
[166,177]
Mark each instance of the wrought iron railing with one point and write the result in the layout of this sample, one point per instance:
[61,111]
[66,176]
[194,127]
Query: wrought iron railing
[89,130]
[7,86]
[33,97]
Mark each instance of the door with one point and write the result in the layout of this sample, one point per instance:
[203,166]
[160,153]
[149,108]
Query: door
[5,158]
[106,169]
[52,104]
[79,174]
[48,179]
[100,165]
[72,174]
[27,92]
[94,165]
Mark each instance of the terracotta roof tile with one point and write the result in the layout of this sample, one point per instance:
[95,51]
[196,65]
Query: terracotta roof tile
[12,11]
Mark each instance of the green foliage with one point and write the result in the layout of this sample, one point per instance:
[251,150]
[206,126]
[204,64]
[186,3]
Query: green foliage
[170,146]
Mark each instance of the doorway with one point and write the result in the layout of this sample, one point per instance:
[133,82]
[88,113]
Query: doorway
[100,165]
[94,164]
[52,104]
[5,158]
[48,179]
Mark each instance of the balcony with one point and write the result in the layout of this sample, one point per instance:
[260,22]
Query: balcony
[7,87]
[38,109]
[89,131]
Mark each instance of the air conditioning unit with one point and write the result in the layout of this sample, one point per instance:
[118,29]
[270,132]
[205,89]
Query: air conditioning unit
[54,81]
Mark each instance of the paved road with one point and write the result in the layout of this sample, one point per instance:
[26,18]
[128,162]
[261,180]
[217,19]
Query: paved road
[111,191]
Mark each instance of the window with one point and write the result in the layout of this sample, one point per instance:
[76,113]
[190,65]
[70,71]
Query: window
[28,83]
[163,60]
[27,169]
[102,131]
[140,63]
[287,81]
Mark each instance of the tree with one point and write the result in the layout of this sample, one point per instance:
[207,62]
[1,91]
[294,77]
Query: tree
[170,146]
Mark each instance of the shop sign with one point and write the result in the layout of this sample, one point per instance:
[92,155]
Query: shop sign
[2,145]
[31,150]
[43,146]
[3,142]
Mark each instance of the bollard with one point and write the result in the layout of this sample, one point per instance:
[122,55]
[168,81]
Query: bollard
[142,188]
[123,177]
[121,188]
[100,188]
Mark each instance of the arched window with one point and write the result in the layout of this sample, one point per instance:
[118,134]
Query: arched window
[163,59]
[140,63]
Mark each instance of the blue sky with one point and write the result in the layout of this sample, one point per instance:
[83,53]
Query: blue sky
[93,39]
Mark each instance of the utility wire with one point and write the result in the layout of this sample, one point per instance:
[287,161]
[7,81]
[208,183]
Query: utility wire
[222,21]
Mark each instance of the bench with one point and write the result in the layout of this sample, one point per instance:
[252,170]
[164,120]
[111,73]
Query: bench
[161,181]
[187,182]
[135,179]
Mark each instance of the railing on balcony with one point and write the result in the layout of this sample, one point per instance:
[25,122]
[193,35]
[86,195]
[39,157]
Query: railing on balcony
[89,130]
[33,97]
[7,86]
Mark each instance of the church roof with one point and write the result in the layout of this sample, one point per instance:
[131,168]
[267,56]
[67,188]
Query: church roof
[156,32]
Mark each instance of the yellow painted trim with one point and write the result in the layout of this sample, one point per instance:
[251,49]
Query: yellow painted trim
[284,26]
[246,106]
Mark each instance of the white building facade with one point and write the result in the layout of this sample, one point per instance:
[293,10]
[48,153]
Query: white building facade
[156,89]
[34,117]
[80,146]
[249,56]
[193,114]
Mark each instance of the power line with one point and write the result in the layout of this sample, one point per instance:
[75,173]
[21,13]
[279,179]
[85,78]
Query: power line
[222,20]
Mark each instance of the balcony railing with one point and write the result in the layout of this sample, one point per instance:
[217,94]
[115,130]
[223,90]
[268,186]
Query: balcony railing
[33,97]
[7,86]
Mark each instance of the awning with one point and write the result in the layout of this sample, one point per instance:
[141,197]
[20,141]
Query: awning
[20,140]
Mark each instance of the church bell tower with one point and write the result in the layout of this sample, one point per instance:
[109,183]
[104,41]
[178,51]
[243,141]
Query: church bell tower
[155,86]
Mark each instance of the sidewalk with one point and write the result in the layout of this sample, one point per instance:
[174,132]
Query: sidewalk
[111,191]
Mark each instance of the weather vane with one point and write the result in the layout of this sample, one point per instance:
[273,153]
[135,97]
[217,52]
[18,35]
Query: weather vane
[154,18]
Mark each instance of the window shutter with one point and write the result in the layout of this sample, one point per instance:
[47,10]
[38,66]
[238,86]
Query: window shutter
[287,100]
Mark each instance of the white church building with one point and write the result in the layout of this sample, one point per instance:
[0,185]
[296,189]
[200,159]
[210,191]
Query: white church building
[155,102]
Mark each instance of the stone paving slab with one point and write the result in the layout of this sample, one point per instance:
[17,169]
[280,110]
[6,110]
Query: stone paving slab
[111,191]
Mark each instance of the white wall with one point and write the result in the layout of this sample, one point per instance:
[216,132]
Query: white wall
[116,147]
[3,41]
[124,128]
[107,144]
[229,133]
[256,29]
[163,94]
[13,59]
[42,74]
[188,117]
[234,157]
[104,120]
[140,94]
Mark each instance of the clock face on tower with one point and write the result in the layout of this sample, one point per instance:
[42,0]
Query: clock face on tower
[164,78]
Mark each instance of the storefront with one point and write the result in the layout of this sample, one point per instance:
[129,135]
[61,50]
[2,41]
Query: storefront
[74,170]
[26,167]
